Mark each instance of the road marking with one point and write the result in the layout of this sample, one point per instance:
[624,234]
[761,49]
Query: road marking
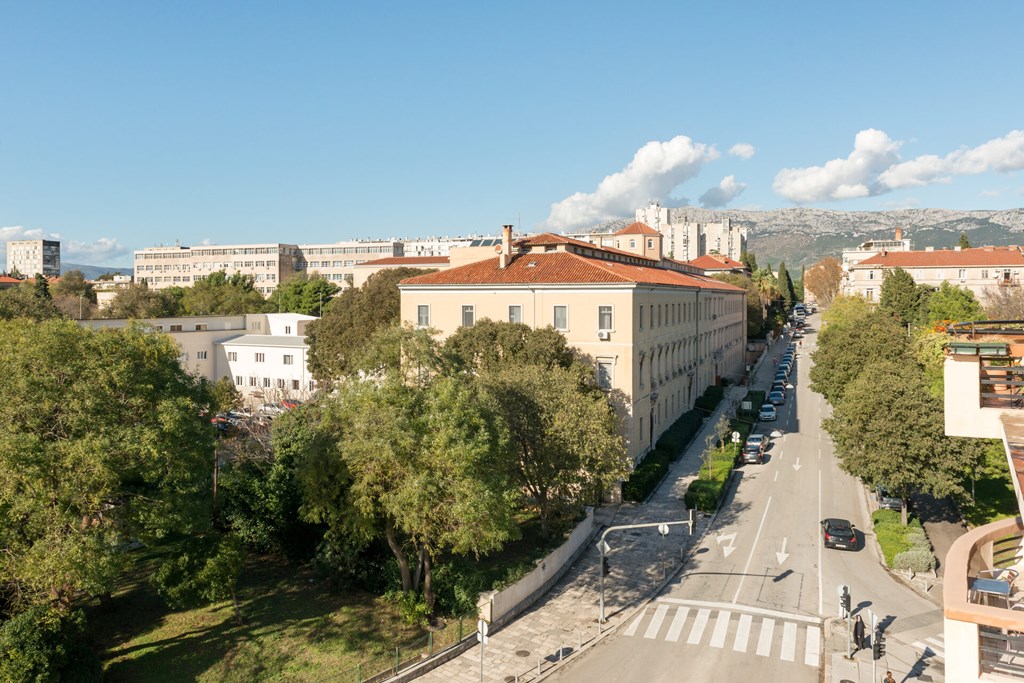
[753,547]
[782,555]
[636,623]
[764,642]
[721,628]
[821,579]
[742,633]
[776,476]
[742,608]
[677,625]
[796,465]
[788,642]
[698,626]
[655,625]
[812,651]
[732,542]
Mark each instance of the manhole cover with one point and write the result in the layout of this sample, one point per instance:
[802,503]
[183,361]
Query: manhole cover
[522,653]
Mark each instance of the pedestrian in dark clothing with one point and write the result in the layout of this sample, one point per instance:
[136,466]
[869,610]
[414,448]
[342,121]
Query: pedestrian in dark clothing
[859,637]
[888,678]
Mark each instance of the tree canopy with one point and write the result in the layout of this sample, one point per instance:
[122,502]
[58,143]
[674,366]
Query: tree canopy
[137,300]
[824,279]
[755,313]
[786,289]
[901,297]
[306,294]
[221,294]
[952,303]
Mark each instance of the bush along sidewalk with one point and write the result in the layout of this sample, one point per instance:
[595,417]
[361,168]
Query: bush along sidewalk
[718,460]
[669,448]
[905,548]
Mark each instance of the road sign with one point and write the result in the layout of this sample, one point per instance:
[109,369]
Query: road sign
[481,631]
[663,529]
[735,437]
[603,547]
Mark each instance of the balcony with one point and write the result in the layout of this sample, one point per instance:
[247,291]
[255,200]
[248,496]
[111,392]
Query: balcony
[984,377]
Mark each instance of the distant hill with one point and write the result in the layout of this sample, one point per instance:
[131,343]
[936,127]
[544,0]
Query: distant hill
[802,237]
[93,272]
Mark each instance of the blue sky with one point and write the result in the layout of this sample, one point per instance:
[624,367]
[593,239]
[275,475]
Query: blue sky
[126,125]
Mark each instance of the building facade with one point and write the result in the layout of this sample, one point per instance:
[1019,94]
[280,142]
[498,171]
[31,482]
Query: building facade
[657,333]
[978,269]
[264,354]
[686,240]
[34,257]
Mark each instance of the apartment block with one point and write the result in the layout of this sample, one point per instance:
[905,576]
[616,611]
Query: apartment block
[34,257]
[658,332]
[686,240]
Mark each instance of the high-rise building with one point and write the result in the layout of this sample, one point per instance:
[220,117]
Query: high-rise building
[32,257]
[686,240]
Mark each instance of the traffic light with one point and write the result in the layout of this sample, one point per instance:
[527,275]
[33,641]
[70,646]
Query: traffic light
[844,599]
[605,569]
[878,645]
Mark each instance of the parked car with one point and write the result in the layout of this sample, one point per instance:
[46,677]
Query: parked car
[776,398]
[778,386]
[887,501]
[753,449]
[291,403]
[838,533]
[272,409]
[767,413]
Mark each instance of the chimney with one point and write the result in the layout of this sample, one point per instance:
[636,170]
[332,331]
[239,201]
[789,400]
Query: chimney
[899,234]
[506,246]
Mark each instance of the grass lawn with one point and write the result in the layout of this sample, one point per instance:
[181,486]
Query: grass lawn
[297,629]
[994,499]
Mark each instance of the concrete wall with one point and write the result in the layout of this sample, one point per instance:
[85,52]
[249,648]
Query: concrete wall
[962,397]
[501,607]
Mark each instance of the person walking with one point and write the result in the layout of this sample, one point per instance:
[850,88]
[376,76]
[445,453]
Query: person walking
[888,678]
[859,636]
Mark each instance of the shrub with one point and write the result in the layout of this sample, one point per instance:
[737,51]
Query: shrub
[915,560]
[43,644]
[703,495]
[646,476]
[709,400]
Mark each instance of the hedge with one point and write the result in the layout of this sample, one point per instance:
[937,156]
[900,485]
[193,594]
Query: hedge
[704,492]
[710,399]
[677,437]
[646,476]
[904,547]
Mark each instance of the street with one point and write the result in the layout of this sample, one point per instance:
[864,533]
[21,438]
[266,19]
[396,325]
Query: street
[760,592]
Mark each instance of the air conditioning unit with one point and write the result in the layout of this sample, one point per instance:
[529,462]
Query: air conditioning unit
[604,335]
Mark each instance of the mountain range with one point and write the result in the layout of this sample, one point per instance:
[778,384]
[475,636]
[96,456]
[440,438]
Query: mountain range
[93,272]
[802,237]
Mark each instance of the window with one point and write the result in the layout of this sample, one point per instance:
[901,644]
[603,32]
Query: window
[468,316]
[869,294]
[984,275]
[295,385]
[632,244]
[650,244]
[257,326]
[604,374]
[561,317]
[200,327]
[200,355]
[260,357]
[641,317]
[423,315]
[289,359]
[266,382]
[963,273]
[238,380]
[252,381]
[175,328]
[280,384]
[604,317]
[287,329]
[515,314]
[232,355]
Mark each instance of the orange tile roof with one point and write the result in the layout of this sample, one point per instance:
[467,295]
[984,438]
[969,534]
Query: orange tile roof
[548,239]
[7,280]
[637,229]
[564,268]
[407,261]
[978,256]
[715,262]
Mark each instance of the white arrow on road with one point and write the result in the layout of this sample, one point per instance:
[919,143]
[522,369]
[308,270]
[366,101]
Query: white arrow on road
[782,556]
[722,538]
[796,465]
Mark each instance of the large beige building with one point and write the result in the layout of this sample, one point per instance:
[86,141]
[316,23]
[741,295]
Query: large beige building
[978,269]
[658,332]
[32,257]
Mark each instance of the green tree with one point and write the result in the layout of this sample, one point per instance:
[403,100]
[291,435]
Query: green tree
[564,435]
[42,287]
[220,294]
[74,296]
[888,430]
[954,304]
[338,339]
[138,301]
[900,296]
[487,345]
[44,644]
[21,302]
[101,442]
[749,259]
[854,337]
[305,294]
[964,242]
[755,314]
[205,568]
[224,396]
[786,286]
[767,288]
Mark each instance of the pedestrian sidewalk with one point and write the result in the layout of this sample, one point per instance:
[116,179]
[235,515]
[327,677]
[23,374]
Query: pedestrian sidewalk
[564,621]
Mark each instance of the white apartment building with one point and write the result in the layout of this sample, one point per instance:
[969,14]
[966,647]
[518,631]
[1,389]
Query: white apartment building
[434,246]
[32,257]
[658,331]
[264,354]
[977,269]
[336,262]
[687,240]
[106,290]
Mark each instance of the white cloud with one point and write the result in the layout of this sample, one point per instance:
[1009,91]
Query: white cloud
[656,169]
[854,176]
[1003,154]
[990,193]
[742,150]
[726,191]
[874,167]
[99,253]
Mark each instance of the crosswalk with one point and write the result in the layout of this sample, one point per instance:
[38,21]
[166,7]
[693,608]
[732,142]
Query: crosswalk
[722,625]
[932,648]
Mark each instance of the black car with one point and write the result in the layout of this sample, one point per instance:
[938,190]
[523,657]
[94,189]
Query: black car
[838,533]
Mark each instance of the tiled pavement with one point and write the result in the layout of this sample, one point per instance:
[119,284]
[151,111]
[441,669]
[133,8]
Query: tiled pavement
[640,561]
